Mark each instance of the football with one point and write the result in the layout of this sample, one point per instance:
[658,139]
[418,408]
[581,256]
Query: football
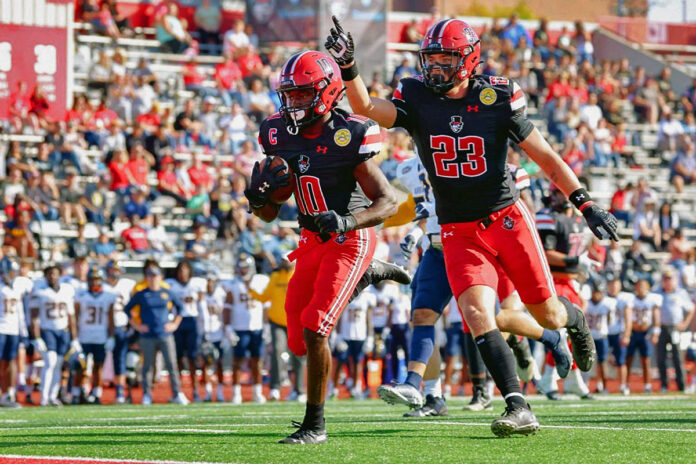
[268,213]
[281,194]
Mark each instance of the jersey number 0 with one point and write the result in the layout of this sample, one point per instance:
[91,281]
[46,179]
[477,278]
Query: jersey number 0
[448,149]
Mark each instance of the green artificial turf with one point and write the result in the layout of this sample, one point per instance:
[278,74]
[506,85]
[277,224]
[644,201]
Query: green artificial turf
[646,429]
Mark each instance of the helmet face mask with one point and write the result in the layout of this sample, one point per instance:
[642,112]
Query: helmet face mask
[298,105]
[246,267]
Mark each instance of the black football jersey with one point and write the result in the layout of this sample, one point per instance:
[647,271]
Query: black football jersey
[323,166]
[561,233]
[463,143]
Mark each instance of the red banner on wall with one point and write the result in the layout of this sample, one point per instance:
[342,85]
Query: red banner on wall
[34,48]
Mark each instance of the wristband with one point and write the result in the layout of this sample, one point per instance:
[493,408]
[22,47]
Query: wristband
[348,74]
[581,199]
[571,261]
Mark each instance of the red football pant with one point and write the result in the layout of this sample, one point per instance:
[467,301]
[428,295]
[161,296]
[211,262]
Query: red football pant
[325,276]
[475,256]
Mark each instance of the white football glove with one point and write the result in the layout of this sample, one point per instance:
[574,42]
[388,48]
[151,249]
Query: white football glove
[231,336]
[369,345]
[587,263]
[40,345]
[385,333]
[340,344]
[110,344]
[76,346]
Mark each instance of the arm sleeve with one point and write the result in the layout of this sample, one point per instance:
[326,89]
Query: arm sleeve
[134,300]
[519,127]
[371,143]
[403,117]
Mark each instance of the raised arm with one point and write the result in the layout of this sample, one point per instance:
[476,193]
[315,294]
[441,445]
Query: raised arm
[340,46]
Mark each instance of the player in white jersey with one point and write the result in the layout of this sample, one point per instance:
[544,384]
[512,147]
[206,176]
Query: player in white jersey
[25,351]
[645,328]
[53,328]
[123,288]
[12,325]
[212,322]
[354,338]
[246,323]
[189,290]
[599,307]
[94,312]
[620,322]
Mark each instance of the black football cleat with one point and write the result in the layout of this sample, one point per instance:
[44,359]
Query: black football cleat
[434,406]
[480,401]
[553,396]
[401,393]
[584,349]
[303,436]
[518,421]
[378,271]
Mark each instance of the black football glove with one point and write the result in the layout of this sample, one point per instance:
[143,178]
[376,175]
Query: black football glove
[339,44]
[332,222]
[264,182]
[602,223]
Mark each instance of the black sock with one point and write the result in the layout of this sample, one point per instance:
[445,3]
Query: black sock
[479,383]
[473,356]
[574,318]
[501,364]
[314,417]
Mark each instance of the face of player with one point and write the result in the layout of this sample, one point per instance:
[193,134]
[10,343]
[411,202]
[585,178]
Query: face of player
[52,277]
[95,285]
[183,274]
[614,287]
[210,287]
[299,98]
[642,288]
[443,64]
[669,283]
[597,296]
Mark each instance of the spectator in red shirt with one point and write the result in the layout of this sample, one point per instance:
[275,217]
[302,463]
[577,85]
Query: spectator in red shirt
[135,237]
[228,77]
[621,203]
[250,63]
[121,177]
[140,164]
[169,184]
[198,172]
[20,101]
[194,78]
[151,120]
[38,105]
[80,113]
[559,88]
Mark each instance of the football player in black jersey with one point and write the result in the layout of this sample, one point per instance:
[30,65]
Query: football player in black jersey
[341,194]
[461,123]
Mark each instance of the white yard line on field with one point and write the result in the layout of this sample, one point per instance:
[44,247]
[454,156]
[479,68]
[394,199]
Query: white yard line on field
[72,460]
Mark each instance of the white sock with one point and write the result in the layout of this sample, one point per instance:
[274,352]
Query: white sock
[76,391]
[21,379]
[220,389]
[600,385]
[258,389]
[50,360]
[97,392]
[433,387]
[237,390]
[12,393]
[208,388]
[57,377]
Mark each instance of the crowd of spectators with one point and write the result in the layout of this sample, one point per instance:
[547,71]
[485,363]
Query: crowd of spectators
[130,140]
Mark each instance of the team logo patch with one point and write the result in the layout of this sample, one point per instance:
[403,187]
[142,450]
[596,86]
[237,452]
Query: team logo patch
[342,137]
[303,163]
[488,96]
[164,296]
[508,223]
[340,239]
[456,124]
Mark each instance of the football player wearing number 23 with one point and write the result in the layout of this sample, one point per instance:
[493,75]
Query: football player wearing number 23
[341,194]
[461,123]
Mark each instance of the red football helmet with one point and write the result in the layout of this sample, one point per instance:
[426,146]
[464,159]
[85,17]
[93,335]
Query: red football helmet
[310,86]
[456,38]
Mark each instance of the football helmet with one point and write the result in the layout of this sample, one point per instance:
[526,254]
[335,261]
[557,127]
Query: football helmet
[95,278]
[8,269]
[310,86]
[451,37]
[246,267]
